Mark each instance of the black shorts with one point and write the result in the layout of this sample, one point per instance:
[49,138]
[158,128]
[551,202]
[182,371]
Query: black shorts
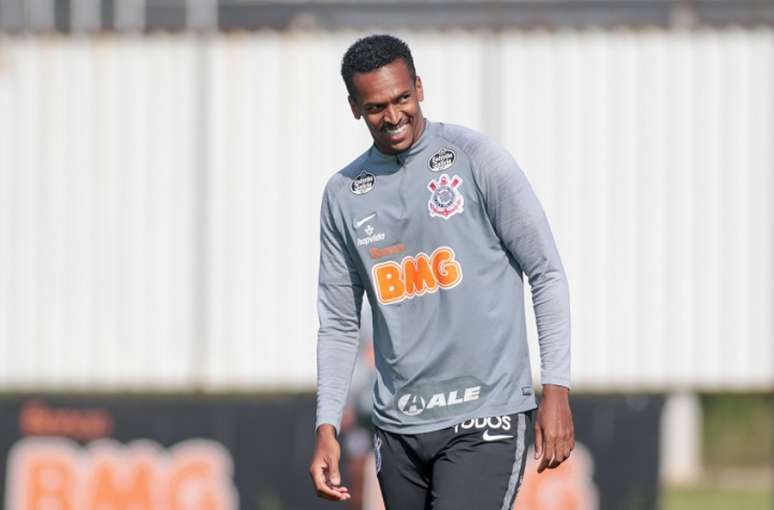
[477,464]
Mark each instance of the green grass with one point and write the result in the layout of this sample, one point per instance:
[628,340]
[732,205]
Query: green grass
[738,430]
[714,498]
[738,450]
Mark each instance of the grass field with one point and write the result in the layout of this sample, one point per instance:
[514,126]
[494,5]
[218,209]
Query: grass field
[714,498]
[738,448]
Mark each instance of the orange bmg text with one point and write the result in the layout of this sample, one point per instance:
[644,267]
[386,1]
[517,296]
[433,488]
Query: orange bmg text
[416,276]
[57,473]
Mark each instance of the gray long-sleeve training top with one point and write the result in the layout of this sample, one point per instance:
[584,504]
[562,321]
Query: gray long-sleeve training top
[439,237]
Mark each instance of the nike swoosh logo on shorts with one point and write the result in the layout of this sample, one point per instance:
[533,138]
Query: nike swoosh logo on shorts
[495,437]
[358,223]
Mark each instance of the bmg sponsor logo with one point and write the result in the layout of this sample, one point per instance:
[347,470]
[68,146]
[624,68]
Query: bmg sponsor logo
[58,473]
[416,276]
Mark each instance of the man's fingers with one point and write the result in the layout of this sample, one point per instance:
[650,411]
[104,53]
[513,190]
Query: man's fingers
[325,487]
[561,452]
[333,474]
[538,442]
[318,477]
[549,454]
[332,494]
[324,468]
[544,463]
[328,491]
[565,445]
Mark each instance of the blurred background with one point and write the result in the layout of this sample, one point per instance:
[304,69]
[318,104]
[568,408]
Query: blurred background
[161,169]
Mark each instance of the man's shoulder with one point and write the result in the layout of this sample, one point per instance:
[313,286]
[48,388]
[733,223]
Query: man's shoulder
[487,157]
[470,141]
[344,178]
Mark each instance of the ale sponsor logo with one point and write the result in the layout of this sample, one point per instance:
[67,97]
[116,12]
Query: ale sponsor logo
[441,399]
[413,405]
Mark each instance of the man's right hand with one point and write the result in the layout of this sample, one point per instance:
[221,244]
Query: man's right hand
[324,469]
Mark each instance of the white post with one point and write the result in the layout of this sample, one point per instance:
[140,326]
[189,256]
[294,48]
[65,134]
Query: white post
[681,439]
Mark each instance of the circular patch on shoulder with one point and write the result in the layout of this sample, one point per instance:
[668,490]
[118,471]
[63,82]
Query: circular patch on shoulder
[441,160]
[363,183]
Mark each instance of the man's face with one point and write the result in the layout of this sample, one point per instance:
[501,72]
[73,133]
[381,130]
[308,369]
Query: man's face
[388,100]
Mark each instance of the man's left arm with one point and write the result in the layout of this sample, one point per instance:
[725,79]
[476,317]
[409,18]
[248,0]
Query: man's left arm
[521,224]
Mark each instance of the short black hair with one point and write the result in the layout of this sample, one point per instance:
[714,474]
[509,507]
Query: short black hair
[371,53]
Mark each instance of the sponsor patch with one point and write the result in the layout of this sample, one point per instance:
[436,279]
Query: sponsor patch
[359,222]
[416,276]
[371,236]
[441,160]
[441,399]
[363,183]
[445,198]
[492,422]
[377,253]
[364,224]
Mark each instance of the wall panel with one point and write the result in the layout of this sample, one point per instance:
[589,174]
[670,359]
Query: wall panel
[96,217]
[159,198]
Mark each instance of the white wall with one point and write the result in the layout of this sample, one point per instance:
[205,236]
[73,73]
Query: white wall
[159,198]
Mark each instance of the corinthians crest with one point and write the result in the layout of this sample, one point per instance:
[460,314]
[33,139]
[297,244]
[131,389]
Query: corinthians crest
[446,200]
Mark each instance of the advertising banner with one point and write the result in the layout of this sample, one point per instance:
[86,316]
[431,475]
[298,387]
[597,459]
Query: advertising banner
[189,452]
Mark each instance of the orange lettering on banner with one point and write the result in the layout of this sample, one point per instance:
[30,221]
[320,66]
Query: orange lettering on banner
[121,483]
[42,473]
[416,276]
[39,419]
[49,484]
[567,487]
[196,475]
[58,474]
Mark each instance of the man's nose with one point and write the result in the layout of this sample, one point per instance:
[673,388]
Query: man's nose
[391,115]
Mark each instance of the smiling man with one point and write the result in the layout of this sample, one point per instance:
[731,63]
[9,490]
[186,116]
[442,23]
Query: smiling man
[439,226]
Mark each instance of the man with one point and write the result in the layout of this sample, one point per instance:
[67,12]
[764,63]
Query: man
[438,225]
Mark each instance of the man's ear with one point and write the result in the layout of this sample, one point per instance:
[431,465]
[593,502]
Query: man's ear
[354,107]
[420,91]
